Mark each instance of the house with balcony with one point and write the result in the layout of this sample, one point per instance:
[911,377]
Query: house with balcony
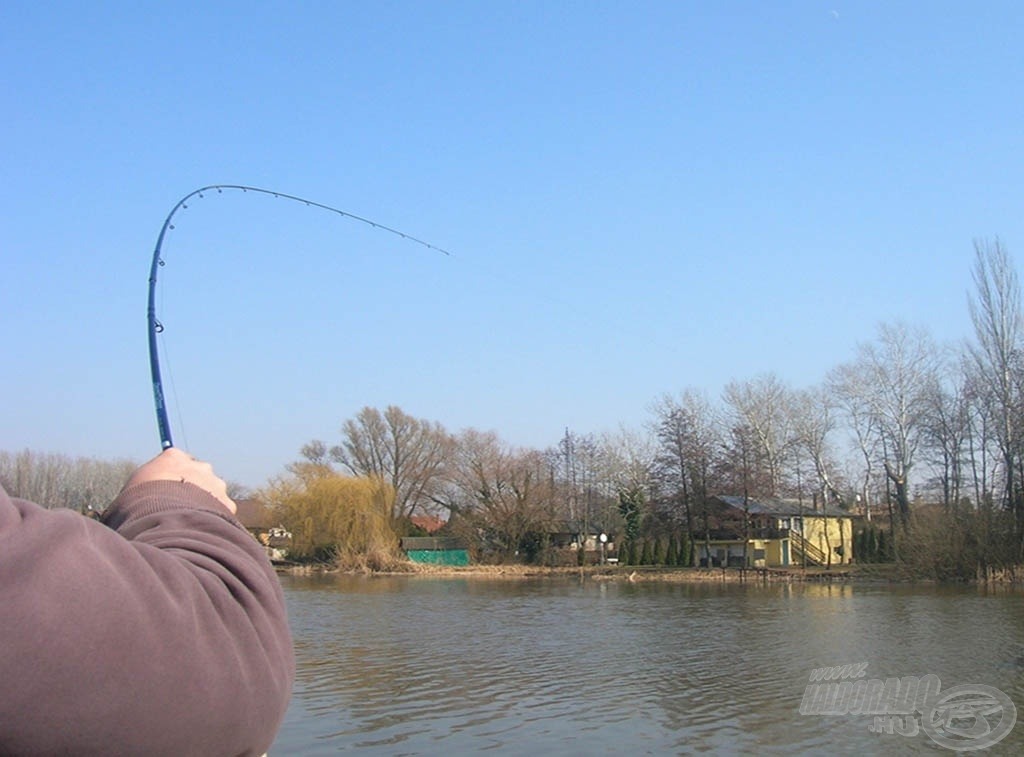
[774,533]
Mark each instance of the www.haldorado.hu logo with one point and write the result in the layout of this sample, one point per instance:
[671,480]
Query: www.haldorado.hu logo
[961,718]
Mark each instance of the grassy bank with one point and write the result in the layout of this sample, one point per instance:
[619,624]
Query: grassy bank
[887,573]
[635,574]
[631,574]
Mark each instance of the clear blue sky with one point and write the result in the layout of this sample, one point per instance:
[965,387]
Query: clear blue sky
[639,198]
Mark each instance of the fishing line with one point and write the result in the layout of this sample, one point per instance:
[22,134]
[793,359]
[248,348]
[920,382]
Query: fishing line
[155,327]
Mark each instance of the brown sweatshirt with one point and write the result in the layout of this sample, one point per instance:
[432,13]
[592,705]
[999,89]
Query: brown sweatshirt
[161,631]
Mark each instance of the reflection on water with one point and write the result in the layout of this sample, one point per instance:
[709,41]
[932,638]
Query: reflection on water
[433,666]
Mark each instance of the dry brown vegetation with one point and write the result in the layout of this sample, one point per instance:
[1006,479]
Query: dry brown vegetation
[338,519]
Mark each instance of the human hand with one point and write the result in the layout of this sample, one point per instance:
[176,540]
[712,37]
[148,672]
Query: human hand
[177,465]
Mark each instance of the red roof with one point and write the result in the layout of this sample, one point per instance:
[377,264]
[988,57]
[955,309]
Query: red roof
[429,523]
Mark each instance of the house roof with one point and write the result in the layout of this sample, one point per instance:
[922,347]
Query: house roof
[783,507]
[429,523]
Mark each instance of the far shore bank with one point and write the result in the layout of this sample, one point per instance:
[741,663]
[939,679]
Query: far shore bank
[855,574]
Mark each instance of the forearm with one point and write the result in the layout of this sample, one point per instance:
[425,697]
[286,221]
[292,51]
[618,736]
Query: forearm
[171,631]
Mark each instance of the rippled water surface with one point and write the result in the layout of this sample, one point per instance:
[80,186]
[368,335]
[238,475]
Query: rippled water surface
[401,666]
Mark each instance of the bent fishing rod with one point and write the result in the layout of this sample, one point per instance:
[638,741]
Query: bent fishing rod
[155,327]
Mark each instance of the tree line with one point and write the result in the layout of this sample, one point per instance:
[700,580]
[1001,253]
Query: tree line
[56,480]
[925,443]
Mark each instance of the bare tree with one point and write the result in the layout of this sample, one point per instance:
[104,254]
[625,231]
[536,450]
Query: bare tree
[996,315]
[945,438]
[761,406]
[407,453]
[813,423]
[55,480]
[849,388]
[740,466]
[900,371]
[688,441]
[581,467]
[671,469]
[629,459]
[983,455]
[502,494]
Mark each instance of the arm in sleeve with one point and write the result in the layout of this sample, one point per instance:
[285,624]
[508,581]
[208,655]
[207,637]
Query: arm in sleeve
[162,630]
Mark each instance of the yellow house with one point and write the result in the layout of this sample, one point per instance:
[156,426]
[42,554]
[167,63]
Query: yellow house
[780,533]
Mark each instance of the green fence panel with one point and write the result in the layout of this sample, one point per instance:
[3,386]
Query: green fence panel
[439,556]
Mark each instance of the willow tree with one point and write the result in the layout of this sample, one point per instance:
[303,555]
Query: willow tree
[337,517]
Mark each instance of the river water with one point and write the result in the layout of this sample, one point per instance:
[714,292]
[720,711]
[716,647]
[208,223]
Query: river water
[424,666]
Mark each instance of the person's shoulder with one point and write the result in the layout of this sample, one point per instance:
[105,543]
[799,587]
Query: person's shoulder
[29,508]
[16,507]
[27,527]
